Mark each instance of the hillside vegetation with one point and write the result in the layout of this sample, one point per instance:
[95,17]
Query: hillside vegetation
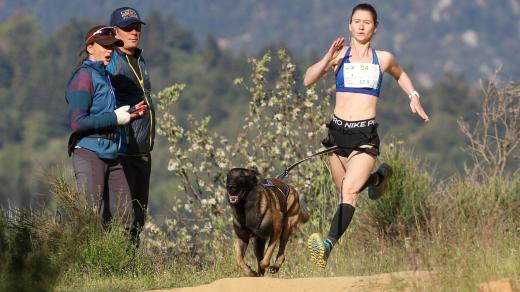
[464,229]
[33,79]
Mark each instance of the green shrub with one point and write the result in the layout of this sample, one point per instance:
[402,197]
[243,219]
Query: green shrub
[39,248]
[468,203]
[106,253]
[404,208]
[25,261]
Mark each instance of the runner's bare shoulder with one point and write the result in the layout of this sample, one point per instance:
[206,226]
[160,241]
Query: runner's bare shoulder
[385,58]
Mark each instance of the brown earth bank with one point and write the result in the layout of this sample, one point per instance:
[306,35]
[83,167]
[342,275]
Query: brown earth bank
[400,281]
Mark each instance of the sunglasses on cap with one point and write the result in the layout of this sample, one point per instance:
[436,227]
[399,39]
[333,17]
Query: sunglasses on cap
[104,31]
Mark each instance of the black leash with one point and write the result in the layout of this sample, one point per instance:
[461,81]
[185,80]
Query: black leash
[285,173]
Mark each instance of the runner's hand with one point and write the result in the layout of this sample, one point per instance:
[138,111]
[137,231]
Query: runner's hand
[334,49]
[416,107]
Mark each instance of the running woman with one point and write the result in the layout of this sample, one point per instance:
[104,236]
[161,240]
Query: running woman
[359,73]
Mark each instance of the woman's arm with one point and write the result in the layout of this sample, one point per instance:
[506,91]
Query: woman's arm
[404,81]
[317,70]
[79,98]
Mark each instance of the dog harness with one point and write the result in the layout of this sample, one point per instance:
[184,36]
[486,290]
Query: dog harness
[267,183]
[363,78]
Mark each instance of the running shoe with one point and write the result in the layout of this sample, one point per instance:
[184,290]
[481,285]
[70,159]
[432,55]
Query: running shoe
[385,171]
[319,249]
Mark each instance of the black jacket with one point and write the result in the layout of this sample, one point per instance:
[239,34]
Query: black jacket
[137,138]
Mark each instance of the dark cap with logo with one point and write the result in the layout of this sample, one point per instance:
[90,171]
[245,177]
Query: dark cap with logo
[125,16]
[103,35]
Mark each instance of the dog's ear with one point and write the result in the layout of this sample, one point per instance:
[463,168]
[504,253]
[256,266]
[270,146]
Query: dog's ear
[253,174]
[254,170]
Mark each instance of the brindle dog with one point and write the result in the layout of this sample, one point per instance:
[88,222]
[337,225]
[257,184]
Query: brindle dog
[262,213]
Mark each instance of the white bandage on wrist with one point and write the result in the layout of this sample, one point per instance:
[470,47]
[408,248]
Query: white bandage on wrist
[413,93]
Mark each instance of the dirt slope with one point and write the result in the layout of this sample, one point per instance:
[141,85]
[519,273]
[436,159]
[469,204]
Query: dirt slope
[401,281]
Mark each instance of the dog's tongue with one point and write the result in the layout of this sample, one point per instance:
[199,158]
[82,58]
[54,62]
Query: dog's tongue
[232,198]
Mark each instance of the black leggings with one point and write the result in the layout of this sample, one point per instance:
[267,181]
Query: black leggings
[137,170]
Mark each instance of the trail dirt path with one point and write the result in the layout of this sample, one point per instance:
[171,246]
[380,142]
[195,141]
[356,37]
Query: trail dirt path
[401,281]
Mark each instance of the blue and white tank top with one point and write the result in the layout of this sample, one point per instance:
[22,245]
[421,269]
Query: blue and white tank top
[363,78]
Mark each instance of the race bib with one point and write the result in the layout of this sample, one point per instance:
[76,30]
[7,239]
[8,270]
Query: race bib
[361,75]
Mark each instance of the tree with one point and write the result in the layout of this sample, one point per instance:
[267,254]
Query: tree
[495,138]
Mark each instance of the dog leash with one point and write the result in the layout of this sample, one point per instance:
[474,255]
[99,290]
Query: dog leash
[285,173]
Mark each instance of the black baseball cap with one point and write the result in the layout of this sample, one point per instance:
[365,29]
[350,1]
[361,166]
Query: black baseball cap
[125,16]
[103,35]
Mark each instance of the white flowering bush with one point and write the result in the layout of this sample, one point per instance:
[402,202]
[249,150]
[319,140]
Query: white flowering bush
[281,127]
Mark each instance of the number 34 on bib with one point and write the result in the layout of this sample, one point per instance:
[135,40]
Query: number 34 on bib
[361,75]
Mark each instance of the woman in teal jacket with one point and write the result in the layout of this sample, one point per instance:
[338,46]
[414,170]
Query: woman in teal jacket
[94,119]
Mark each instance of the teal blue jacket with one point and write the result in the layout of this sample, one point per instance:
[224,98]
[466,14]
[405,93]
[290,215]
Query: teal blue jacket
[91,104]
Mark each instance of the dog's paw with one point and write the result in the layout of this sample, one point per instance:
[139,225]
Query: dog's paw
[273,269]
[251,273]
[261,273]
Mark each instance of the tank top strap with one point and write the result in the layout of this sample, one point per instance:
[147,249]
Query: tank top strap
[344,60]
[375,61]
[346,57]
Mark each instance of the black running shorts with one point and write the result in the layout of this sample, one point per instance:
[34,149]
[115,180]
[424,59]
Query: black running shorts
[351,135]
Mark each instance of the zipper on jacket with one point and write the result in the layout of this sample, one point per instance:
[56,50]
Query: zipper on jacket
[141,82]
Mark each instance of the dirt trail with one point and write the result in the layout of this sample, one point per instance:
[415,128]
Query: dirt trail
[401,281]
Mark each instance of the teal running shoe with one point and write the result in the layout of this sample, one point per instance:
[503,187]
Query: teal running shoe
[319,249]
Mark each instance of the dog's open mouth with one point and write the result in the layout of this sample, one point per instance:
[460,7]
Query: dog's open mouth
[234,198]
